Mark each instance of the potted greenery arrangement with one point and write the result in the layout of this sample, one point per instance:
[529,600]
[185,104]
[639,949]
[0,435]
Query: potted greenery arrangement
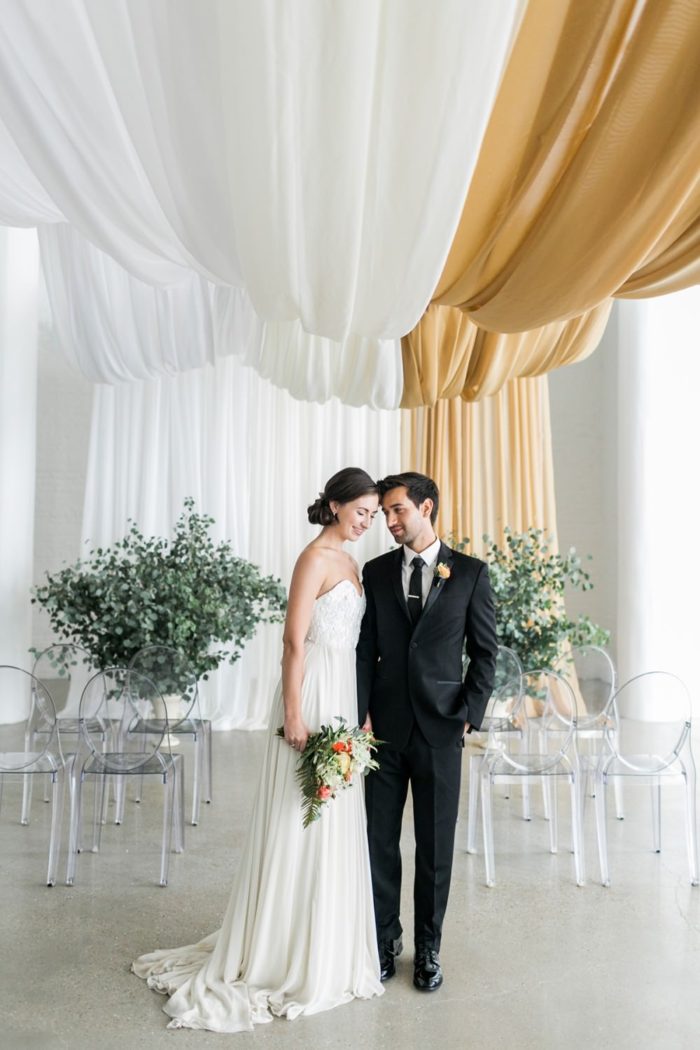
[187,593]
[528,580]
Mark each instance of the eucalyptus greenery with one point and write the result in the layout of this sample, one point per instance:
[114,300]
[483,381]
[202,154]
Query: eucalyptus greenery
[187,593]
[529,579]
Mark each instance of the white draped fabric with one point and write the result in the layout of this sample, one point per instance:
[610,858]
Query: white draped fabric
[290,149]
[114,327]
[253,458]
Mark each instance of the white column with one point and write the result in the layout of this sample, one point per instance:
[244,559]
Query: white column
[19,271]
[659,501]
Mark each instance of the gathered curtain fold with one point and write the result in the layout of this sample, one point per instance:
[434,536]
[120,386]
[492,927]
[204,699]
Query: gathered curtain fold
[449,356]
[115,328]
[492,460]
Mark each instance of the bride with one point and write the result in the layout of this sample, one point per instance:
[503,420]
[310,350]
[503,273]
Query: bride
[278,952]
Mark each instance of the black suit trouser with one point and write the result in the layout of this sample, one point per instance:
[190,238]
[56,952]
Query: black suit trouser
[434,776]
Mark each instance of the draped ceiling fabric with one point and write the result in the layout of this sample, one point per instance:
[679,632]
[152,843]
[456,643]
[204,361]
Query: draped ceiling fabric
[587,186]
[292,150]
[492,460]
[253,458]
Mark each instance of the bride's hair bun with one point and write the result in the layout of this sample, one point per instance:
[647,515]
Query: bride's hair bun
[320,512]
[348,484]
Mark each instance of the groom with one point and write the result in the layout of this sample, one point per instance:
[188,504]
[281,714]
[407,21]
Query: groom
[424,601]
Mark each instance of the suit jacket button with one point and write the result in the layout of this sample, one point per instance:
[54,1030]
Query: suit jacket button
[414,645]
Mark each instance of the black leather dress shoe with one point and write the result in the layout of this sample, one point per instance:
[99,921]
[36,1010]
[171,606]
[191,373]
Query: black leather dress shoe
[388,950]
[427,972]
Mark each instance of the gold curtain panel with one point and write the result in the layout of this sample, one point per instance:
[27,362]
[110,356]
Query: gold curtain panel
[492,460]
[587,186]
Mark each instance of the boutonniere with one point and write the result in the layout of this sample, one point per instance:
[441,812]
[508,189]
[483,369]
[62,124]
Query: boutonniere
[441,572]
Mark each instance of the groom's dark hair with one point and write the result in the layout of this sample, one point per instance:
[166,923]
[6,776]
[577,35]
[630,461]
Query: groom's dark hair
[418,487]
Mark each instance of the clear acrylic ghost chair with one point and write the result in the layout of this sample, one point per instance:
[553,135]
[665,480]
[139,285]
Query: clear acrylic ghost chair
[652,746]
[590,672]
[504,714]
[64,670]
[122,698]
[554,759]
[176,682]
[32,747]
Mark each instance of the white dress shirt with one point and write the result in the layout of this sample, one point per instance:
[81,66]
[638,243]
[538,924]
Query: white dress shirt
[430,557]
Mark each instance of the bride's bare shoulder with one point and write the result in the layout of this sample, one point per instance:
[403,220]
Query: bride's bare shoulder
[312,560]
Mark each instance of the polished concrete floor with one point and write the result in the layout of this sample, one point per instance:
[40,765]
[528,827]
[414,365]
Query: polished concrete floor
[534,962]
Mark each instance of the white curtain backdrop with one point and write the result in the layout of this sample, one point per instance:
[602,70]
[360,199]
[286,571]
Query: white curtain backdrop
[114,327]
[659,506]
[253,458]
[293,149]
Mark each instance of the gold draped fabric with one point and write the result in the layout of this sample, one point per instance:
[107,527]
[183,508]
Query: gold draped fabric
[587,186]
[492,460]
[588,178]
[448,356]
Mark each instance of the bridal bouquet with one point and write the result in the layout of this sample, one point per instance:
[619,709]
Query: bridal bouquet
[328,763]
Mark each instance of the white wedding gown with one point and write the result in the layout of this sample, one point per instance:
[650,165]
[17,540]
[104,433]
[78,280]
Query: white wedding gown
[298,935]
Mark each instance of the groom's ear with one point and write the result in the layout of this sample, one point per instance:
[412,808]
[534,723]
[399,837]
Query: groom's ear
[426,508]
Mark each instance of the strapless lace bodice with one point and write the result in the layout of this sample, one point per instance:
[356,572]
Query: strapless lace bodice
[337,617]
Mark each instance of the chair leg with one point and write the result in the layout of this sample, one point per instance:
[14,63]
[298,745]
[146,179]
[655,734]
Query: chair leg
[656,814]
[691,823]
[101,793]
[179,802]
[546,797]
[75,822]
[553,814]
[487,826]
[602,829]
[139,788]
[619,803]
[617,786]
[577,832]
[169,789]
[57,793]
[27,780]
[206,724]
[475,762]
[120,792]
[527,815]
[199,762]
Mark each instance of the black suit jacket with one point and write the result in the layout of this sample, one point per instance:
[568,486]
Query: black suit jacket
[405,673]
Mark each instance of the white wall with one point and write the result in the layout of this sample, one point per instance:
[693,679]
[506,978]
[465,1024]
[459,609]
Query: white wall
[63,433]
[584,437]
